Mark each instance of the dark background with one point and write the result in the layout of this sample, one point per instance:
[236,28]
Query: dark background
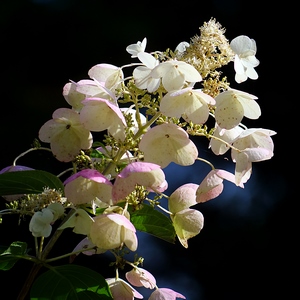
[246,249]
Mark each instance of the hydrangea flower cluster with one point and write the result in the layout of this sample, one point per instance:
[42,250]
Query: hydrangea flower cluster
[147,111]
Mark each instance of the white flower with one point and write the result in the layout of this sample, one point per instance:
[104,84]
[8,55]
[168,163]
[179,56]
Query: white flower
[175,74]
[232,105]
[142,74]
[135,49]
[110,231]
[190,104]
[66,134]
[245,60]
[255,144]
[108,75]
[40,223]
[166,143]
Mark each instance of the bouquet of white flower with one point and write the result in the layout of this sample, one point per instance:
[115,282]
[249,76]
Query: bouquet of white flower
[114,187]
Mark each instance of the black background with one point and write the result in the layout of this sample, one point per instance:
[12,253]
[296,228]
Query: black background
[246,249]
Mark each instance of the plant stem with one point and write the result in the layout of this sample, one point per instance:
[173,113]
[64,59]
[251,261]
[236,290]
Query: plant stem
[37,266]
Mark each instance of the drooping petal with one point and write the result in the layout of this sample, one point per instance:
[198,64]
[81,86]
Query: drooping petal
[228,136]
[243,168]
[141,277]
[183,197]
[187,223]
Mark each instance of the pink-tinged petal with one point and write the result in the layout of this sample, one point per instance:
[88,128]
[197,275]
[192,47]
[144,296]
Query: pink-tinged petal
[141,277]
[168,143]
[88,186]
[183,197]
[212,185]
[121,220]
[144,174]
[137,167]
[165,294]
[225,175]
[213,192]
[100,114]
[255,143]
[89,174]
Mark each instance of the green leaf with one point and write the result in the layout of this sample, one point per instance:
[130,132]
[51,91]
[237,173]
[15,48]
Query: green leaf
[9,256]
[28,182]
[154,222]
[70,282]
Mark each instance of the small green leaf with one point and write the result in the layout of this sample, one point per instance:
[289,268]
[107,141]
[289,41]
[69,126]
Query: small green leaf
[154,222]
[28,182]
[96,154]
[9,256]
[70,282]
